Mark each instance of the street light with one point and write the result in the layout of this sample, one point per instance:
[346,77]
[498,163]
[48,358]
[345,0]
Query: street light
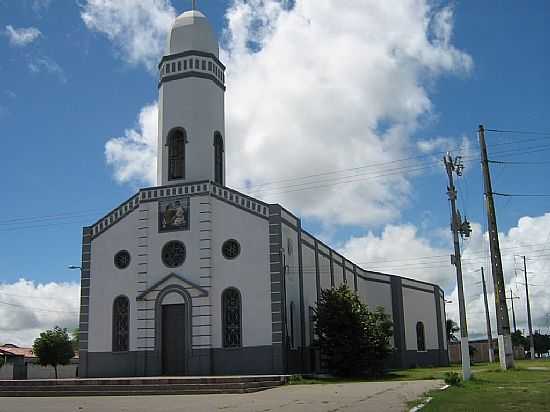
[72,267]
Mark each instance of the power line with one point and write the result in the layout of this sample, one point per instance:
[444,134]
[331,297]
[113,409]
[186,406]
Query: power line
[522,194]
[519,132]
[36,309]
[501,162]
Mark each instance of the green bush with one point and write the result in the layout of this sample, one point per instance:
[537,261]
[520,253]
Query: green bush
[452,378]
[353,340]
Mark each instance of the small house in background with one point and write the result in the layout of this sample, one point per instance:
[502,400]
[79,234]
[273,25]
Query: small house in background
[479,351]
[21,363]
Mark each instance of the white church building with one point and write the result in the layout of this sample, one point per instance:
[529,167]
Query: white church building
[192,277]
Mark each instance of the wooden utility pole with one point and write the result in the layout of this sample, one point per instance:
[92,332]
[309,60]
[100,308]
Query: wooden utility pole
[462,228]
[531,338]
[487,319]
[512,297]
[505,350]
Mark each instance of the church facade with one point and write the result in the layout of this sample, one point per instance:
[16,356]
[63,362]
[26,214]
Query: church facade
[191,277]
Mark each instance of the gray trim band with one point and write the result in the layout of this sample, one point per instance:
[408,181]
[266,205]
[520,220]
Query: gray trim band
[387,282]
[419,289]
[85,279]
[331,269]
[317,274]
[398,315]
[190,74]
[301,283]
[191,53]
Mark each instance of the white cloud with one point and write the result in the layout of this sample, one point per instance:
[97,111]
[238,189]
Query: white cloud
[47,65]
[138,28]
[317,90]
[39,6]
[134,155]
[22,36]
[28,308]
[402,250]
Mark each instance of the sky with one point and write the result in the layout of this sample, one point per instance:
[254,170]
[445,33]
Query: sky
[359,100]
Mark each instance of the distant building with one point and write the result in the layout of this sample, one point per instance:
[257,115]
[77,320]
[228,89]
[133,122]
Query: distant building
[193,277]
[480,351]
[21,363]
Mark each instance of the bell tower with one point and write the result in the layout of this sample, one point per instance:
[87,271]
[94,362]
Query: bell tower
[191,143]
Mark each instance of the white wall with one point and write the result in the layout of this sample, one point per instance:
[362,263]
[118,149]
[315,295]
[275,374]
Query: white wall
[324,271]
[338,272]
[443,321]
[197,105]
[375,294]
[107,282]
[419,306]
[249,272]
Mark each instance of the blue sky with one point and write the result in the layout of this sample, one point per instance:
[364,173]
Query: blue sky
[65,94]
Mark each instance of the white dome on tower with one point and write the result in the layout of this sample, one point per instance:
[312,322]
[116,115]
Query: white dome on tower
[192,31]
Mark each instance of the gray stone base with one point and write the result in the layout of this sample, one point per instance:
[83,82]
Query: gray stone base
[256,360]
[235,361]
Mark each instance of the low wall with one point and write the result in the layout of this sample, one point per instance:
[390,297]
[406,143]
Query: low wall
[6,372]
[35,371]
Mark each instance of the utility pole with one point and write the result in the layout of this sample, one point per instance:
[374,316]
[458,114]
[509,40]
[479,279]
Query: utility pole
[531,338]
[512,297]
[505,350]
[463,228]
[488,319]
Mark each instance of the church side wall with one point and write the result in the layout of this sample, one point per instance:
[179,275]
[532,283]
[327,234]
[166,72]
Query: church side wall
[249,273]
[323,268]
[107,282]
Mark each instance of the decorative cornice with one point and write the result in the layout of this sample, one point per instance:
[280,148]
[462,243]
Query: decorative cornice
[189,74]
[190,53]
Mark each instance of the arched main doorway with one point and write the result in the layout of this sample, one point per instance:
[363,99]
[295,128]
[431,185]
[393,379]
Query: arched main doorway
[174,327]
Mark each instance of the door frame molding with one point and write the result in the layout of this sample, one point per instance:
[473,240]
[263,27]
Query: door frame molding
[188,321]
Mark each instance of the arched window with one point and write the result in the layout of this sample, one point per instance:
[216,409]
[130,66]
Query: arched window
[176,154]
[121,324]
[231,318]
[420,337]
[218,158]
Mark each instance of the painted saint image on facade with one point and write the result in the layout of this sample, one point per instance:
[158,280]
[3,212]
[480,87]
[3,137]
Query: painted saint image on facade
[174,214]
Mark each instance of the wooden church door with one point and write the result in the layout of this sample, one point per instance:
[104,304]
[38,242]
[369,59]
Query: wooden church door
[173,339]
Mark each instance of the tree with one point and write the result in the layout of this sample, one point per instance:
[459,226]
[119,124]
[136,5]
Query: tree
[75,339]
[351,338]
[519,340]
[54,348]
[542,343]
[452,327]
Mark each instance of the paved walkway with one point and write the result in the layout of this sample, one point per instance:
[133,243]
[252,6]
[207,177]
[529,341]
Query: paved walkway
[349,397]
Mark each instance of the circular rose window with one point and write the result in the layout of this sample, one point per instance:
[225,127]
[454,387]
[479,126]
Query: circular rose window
[173,254]
[122,259]
[231,249]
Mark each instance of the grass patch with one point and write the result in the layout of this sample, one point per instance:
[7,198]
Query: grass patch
[491,389]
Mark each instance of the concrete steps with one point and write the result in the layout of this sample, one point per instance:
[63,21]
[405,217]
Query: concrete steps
[140,386]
